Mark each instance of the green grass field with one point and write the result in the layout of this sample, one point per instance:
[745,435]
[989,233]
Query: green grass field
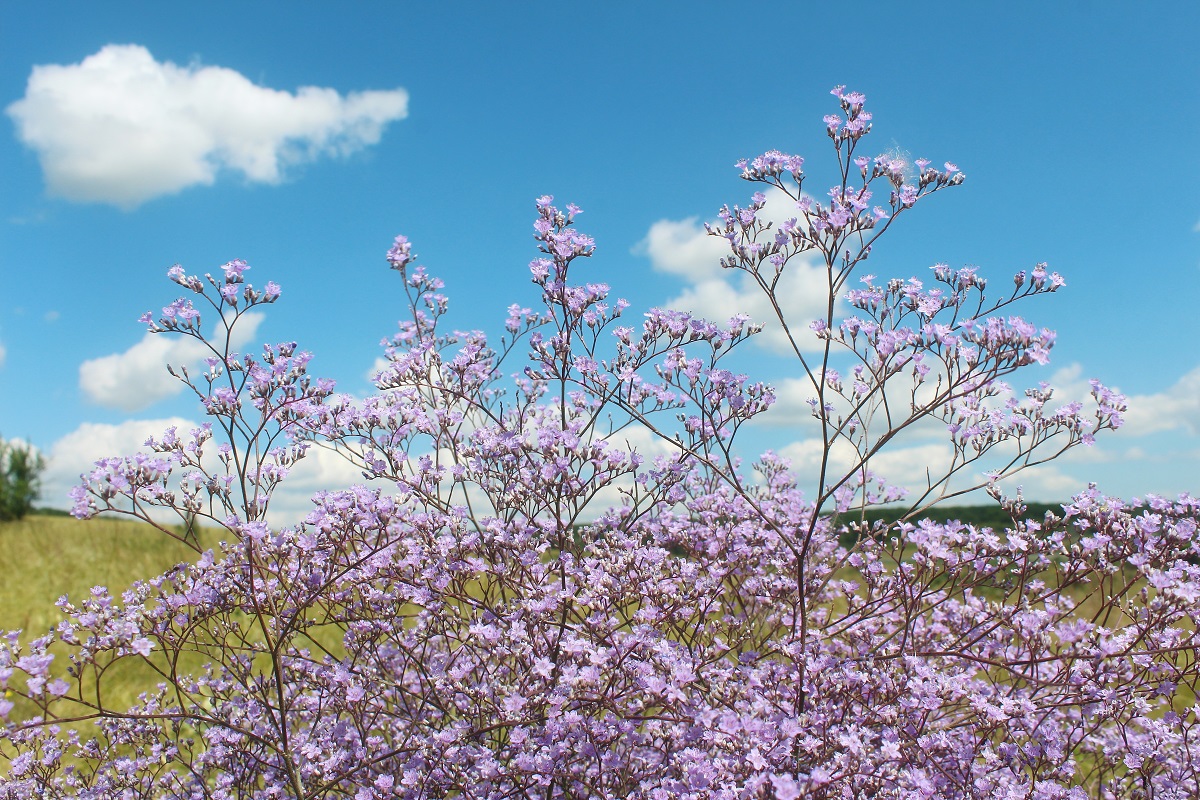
[44,557]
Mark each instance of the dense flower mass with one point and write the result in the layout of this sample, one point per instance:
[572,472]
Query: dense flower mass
[570,587]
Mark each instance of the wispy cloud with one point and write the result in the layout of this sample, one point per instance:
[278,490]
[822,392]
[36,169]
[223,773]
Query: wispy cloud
[121,128]
[1175,408]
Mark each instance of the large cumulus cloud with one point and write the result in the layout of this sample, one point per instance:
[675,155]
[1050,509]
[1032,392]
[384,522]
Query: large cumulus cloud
[120,127]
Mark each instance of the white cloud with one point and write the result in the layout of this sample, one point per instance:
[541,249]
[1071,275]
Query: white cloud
[377,366]
[1046,483]
[923,451]
[3,354]
[77,452]
[913,467]
[799,295]
[1176,408]
[902,466]
[684,248]
[122,128]
[321,469]
[138,378]
[792,397]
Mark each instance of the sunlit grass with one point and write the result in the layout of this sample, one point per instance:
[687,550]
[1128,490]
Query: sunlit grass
[44,557]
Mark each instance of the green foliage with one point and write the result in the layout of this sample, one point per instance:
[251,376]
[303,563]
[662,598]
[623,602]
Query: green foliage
[20,479]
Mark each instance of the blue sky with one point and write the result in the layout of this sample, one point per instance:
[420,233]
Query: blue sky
[141,141]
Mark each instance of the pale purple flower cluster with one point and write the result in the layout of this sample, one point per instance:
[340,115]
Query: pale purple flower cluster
[230,289]
[771,164]
[570,587]
[400,253]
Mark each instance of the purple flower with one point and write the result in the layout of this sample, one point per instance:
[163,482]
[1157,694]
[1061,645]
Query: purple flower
[560,578]
[234,270]
[400,253]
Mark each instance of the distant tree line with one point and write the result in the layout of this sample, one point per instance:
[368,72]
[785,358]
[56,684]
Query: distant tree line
[992,516]
[981,516]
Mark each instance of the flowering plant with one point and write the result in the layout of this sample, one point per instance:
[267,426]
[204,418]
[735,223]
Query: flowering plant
[535,606]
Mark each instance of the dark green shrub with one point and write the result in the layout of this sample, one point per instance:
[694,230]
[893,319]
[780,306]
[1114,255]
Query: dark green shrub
[20,479]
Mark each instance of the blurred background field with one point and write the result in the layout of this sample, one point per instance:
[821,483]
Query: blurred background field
[45,556]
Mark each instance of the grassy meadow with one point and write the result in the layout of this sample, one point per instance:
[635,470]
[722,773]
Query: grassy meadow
[43,557]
